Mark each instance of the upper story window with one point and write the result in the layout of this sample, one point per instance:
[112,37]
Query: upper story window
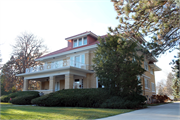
[146,82]
[145,65]
[151,71]
[80,41]
[153,87]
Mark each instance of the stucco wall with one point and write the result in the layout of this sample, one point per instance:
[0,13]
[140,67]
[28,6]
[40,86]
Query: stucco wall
[45,85]
[62,84]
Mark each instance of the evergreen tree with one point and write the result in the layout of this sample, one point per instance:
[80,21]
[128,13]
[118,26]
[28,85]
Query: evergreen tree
[159,19]
[117,65]
[176,88]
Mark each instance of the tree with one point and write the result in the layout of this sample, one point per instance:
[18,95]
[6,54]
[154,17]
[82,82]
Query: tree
[169,84]
[159,19]
[117,65]
[176,80]
[161,88]
[176,88]
[27,48]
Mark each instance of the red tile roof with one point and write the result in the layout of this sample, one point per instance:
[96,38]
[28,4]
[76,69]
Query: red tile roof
[80,34]
[69,48]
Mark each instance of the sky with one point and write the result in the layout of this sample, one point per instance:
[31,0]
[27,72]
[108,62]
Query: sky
[55,20]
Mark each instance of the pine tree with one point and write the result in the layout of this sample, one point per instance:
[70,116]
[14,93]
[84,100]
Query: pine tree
[117,65]
[176,88]
[158,19]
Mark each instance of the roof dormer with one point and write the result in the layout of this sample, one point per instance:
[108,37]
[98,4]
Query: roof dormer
[81,39]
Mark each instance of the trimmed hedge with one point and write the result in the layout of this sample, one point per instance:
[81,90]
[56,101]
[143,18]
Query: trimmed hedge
[73,97]
[88,98]
[21,97]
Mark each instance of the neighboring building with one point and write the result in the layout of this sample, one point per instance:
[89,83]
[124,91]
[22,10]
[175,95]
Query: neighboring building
[71,67]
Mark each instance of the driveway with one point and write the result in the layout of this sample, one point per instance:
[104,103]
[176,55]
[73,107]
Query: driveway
[169,111]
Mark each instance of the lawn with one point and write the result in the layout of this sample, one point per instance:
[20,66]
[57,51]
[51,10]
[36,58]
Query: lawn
[9,111]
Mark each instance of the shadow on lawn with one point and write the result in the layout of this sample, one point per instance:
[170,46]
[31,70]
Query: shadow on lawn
[53,112]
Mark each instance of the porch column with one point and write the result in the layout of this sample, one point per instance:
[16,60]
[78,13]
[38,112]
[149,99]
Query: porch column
[25,86]
[52,83]
[69,80]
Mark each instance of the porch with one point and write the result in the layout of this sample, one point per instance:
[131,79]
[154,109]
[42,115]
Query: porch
[59,79]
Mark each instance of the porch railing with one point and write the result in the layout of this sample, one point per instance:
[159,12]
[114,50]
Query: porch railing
[55,65]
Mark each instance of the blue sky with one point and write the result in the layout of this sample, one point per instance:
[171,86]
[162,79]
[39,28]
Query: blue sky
[55,20]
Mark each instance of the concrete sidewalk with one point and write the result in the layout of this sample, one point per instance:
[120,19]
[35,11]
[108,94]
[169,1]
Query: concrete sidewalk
[169,111]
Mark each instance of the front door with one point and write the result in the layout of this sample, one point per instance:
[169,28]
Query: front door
[57,86]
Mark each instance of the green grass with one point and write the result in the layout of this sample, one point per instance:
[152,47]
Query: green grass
[10,111]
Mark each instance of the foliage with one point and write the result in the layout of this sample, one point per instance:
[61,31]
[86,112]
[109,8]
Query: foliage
[6,98]
[165,88]
[130,102]
[9,111]
[87,98]
[176,80]
[117,65]
[25,99]
[169,84]
[27,48]
[3,92]
[176,88]
[159,19]
[73,98]
[160,98]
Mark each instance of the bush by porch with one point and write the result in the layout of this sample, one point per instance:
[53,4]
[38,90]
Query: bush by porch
[97,98]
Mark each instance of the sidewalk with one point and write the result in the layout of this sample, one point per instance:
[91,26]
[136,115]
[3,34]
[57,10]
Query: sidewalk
[169,111]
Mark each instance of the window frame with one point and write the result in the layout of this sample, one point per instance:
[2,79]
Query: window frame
[146,83]
[80,38]
[145,65]
[152,71]
[152,87]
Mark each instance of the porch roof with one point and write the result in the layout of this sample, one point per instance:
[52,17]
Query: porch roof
[55,70]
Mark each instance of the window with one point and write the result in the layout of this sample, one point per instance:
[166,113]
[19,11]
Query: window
[151,71]
[78,61]
[98,85]
[153,87]
[75,43]
[145,65]
[80,42]
[146,82]
[85,41]
[139,79]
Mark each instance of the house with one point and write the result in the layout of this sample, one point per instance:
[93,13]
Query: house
[71,67]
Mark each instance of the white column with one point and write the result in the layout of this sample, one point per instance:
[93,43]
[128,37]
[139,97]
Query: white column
[25,86]
[52,83]
[69,80]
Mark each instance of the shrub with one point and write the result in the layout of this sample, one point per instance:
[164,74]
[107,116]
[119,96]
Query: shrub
[24,100]
[88,98]
[74,97]
[128,102]
[6,98]
[160,98]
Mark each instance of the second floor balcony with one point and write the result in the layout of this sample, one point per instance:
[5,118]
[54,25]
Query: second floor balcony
[56,65]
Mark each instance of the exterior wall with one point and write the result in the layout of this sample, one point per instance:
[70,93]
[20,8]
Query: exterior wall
[89,81]
[70,43]
[45,85]
[62,84]
[90,39]
[151,79]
